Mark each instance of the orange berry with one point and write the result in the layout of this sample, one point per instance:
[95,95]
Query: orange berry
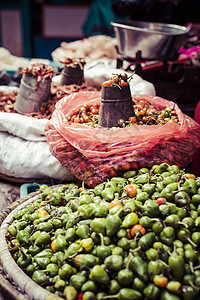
[53,243]
[107,83]
[137,228]
[160,281]
[42,213]
[114,203]
[131,190]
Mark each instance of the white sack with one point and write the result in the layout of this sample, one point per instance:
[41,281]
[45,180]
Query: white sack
[9,62]
[24,152]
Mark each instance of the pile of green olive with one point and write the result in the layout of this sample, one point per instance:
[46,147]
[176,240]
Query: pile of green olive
[131,237]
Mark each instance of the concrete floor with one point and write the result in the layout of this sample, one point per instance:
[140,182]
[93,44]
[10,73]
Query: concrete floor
[8,194]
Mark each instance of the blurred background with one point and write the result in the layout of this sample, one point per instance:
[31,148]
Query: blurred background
[35,28]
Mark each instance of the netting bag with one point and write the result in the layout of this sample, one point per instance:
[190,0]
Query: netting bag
[97,154]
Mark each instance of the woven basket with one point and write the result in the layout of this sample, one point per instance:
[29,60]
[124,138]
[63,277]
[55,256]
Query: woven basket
[14,283]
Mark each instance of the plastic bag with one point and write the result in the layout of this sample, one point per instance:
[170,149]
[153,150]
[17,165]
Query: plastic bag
[97,154]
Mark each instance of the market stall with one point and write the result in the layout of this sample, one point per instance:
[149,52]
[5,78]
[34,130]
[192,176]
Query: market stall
[23,126]
[115,214]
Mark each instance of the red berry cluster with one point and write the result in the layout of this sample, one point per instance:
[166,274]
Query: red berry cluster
[147,114]
[144,114]
[117,80]
[88,114]
[40,70]
[73,62]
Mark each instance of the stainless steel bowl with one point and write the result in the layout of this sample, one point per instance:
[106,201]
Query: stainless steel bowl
[154,41]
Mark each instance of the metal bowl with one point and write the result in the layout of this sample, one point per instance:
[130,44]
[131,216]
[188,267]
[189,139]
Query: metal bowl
[153,41]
